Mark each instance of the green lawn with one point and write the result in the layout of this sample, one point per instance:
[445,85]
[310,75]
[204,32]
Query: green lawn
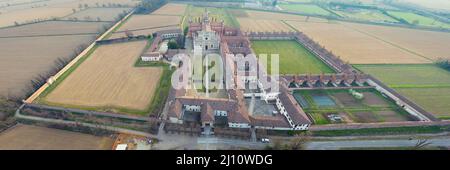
[419,19]
[294,58]
[305,8]
[420,75]
[215,14]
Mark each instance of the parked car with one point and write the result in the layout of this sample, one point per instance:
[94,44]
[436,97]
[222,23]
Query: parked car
[265,140]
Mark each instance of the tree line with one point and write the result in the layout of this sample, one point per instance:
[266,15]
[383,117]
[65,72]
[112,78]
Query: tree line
[443,63]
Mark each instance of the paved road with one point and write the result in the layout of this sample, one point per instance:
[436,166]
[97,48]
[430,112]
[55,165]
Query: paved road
[334,145]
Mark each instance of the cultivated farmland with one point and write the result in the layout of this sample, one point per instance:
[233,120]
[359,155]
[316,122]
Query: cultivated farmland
[147,24]
[53,28]
[108,81]
[354,46]
[420,20]
[218,14]
[305,8]
[255,25]
[97,14]
[31,14]
[294,58]
[171,9]
[432,45]
[426,85]
[273,16]
[408,75]
[368,15]
[52,9]
[26,137]
[435,100]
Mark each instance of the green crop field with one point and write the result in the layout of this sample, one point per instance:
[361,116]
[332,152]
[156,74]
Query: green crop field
[215,14]
[434,100]
[421,75]
[368,15]
[294,58]
[415,19]
[305,8]
[426,85]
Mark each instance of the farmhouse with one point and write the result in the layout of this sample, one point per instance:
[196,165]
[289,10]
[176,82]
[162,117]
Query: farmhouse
[170,33]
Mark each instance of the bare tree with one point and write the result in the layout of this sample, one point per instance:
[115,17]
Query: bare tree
[421,143]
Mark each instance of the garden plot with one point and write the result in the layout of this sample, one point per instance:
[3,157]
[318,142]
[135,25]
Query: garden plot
[339,106]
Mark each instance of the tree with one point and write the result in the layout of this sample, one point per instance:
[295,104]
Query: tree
[128,33]
[421,143]
[415,22]
[173,44]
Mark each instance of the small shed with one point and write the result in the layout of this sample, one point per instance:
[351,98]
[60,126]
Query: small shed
[152,56]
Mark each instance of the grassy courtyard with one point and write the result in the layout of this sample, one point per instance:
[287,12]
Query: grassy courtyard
[294,58]
[426,85]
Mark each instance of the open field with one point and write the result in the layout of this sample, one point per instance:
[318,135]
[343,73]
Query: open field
[356,47]
[305,8]
[426,85]
[96,3]
[432,45]
[19,67]
[319,104]
[50,9]
[255,25]
[294,58]
[420,20]
[98,14]
[171,9]
[31,14]
[108,81]
[435,100]
[35,51]
[409,75]
[279,16]
[215,14]
[27,137]
[367,15]
[147,24]
[52,28]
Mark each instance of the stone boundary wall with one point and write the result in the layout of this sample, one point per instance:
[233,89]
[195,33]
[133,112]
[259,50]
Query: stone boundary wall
[120,40]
